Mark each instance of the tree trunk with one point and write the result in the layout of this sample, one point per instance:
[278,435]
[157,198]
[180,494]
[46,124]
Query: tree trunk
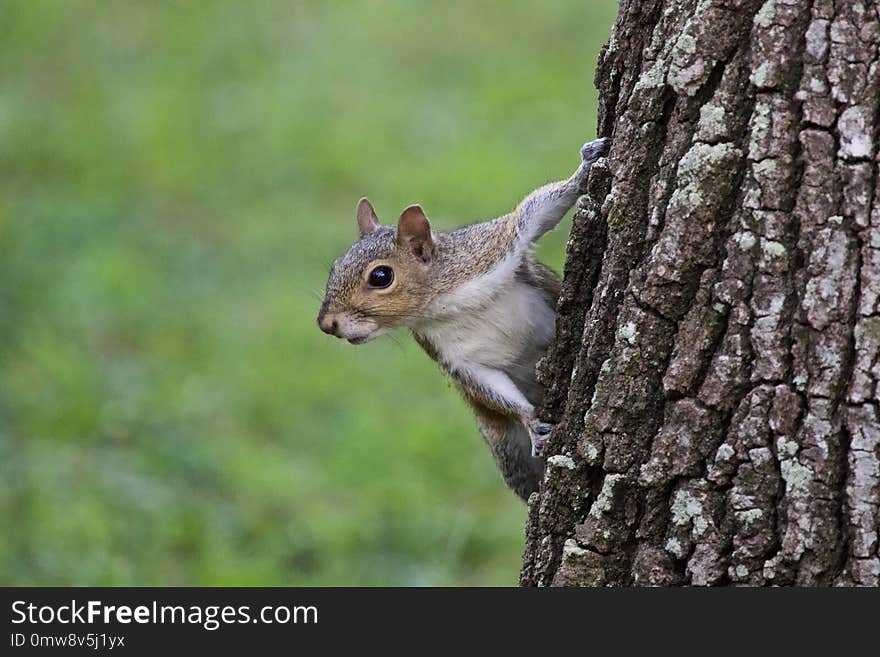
[715,372]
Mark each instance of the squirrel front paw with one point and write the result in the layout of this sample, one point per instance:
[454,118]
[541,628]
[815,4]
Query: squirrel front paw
[539,432]
[593,150]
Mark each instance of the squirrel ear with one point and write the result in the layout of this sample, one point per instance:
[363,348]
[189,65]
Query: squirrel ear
[414,232]
[368,222]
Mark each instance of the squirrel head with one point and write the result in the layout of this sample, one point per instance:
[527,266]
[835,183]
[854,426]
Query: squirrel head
[383,281]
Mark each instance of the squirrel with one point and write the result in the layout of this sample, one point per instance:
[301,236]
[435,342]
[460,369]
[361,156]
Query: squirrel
[475,300]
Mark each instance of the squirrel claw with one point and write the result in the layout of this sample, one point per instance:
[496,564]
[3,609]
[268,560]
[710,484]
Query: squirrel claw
[539,432]
[593,150]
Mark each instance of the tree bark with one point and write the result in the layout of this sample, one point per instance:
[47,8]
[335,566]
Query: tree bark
[715,372]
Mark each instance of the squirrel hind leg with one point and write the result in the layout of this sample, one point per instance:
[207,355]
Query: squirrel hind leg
[511,446]
[521,470]
[539,432]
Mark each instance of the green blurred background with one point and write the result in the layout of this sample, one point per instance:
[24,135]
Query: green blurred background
[175,179]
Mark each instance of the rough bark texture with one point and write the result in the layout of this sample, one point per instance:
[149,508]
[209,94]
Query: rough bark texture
[716,372]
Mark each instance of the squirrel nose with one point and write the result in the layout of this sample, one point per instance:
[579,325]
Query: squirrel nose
[328,324]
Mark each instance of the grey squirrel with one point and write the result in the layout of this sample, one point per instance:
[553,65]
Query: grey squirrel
[474,299]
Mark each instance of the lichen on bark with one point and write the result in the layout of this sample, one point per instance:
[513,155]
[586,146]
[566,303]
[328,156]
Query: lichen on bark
[716,374]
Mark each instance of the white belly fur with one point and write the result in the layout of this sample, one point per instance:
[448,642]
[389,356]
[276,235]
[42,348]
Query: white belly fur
[508,332]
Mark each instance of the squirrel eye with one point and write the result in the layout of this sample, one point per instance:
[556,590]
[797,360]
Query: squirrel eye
[381,276]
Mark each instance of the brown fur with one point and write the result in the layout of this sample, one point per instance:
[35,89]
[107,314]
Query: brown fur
[438,288]
[457,257]
[541,276]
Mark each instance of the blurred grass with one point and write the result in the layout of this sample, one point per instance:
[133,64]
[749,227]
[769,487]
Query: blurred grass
[175,179]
